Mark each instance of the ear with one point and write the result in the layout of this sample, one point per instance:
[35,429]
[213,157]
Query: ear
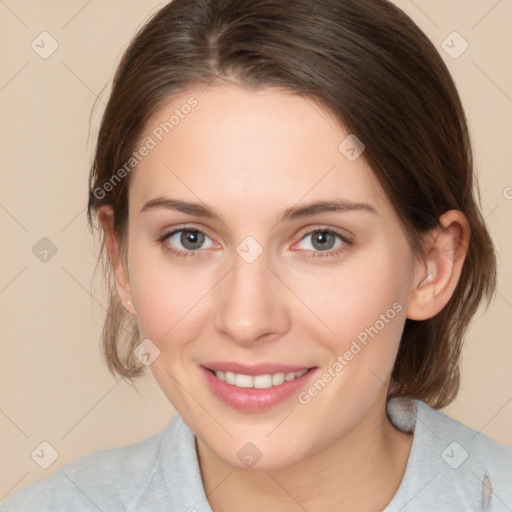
[121,276]
[437,274]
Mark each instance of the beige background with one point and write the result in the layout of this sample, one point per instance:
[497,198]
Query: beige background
[54,384]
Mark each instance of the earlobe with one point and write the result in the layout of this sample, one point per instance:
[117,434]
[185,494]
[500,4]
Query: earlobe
[113,245]
[438,273]
[122,282]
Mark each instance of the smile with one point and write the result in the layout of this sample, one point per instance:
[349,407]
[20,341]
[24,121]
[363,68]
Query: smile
[267,380]
[255,388]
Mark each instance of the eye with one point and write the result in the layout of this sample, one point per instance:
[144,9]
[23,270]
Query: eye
[185,241]
[324,242]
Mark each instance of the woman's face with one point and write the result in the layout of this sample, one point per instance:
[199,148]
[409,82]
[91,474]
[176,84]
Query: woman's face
[293,260]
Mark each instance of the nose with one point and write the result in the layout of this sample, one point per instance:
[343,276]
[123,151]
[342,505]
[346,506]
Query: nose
[251,303]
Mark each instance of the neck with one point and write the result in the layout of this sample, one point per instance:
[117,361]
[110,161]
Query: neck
[360,472]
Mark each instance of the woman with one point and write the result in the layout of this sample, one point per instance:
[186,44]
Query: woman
[285,194]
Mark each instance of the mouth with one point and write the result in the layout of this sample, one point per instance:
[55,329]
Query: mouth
[255,388]
[267,380]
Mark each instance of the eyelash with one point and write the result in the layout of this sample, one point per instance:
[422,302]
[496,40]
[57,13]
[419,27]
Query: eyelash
[176,252]
[315,254]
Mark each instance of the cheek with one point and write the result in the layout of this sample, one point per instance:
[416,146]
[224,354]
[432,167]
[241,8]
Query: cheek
[363,302]
[168,298]
[171,310]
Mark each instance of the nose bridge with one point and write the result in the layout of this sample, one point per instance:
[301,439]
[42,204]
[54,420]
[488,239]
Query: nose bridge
[249,305]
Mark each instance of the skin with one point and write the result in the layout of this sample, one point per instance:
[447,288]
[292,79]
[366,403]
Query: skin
[249,156]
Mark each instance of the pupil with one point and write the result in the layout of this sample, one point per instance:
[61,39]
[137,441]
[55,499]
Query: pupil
[192,239]
[325,240]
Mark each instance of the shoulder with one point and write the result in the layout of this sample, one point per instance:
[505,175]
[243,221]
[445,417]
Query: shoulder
[453,464]
[109,479]
[476,469]
[462,443]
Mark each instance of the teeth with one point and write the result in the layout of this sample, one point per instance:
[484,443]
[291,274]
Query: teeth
[277,378]
[243,381]
[257,381]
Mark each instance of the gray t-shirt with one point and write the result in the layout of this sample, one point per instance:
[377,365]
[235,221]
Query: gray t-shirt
[450,468]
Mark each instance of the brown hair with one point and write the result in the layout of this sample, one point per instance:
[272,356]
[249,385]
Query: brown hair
[376,71]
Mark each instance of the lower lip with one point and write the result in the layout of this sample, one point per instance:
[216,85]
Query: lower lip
[254,399]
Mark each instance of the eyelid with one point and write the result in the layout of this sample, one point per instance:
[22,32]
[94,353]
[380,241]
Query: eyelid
[327,227]
[320,228]
[312,254]
[167,233]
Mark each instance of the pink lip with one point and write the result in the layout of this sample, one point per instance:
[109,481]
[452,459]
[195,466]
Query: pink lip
[254,399]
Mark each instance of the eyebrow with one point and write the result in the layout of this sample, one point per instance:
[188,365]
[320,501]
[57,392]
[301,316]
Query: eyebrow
[292,213]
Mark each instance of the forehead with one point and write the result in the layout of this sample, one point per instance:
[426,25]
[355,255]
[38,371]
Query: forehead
[268,147]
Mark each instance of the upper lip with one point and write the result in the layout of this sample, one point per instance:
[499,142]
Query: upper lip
[254,369]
